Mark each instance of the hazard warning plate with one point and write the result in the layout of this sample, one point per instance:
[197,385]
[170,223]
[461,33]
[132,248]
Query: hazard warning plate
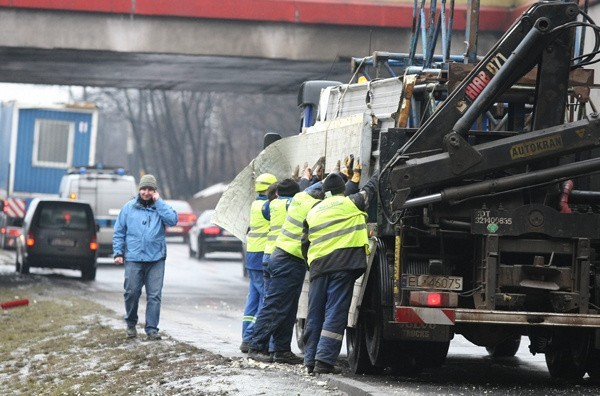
[435,282]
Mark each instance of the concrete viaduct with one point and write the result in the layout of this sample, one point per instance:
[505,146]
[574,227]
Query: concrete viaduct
[245,46]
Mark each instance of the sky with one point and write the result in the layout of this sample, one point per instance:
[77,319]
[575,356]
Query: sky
[34,94]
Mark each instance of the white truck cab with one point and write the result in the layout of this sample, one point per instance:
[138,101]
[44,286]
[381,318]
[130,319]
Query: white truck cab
[106,190]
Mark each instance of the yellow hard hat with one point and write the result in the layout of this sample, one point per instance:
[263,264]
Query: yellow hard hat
[264,181]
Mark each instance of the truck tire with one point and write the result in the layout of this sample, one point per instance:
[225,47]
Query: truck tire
[375,314]
[367,349]
[593,365]
[300,326]
[431,354]
[506,348]
[567,354]
[407,365]
[88,271]
[373,332]
[358,357]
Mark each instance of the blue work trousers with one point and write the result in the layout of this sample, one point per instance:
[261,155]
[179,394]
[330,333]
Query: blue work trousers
[138,275]
[253,303]
[278,314]
[266,273]
[329,298]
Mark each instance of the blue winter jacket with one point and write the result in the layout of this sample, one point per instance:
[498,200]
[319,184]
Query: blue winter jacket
[140,231]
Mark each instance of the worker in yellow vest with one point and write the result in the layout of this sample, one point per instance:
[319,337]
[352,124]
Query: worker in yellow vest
[256,239]
[286,189]
[287,269]
[336,248]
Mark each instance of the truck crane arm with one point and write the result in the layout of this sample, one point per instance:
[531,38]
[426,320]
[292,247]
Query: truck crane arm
[439,153]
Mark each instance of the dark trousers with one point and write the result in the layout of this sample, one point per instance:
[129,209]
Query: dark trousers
[329,298]
[278,313]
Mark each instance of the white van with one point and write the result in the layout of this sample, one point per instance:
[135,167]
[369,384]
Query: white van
[106,190]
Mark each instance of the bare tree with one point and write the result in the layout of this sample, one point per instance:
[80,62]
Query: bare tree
[192,140]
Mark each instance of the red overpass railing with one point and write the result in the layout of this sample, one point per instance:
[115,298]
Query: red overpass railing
[334,12]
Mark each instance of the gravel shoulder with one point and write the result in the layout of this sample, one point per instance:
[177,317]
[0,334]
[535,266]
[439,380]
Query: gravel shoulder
[62,343]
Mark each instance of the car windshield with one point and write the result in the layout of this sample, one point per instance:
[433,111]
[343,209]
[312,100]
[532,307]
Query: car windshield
[69,217]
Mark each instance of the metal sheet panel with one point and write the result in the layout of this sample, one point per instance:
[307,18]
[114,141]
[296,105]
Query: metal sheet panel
[333,139]
[351,99]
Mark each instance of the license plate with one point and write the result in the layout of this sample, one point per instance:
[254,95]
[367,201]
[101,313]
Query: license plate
[62,242]
[175,229]
[226,233]
[454,283]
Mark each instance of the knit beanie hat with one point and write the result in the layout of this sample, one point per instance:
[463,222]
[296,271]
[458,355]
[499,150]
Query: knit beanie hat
[287,188]
[334,183]
[148,181]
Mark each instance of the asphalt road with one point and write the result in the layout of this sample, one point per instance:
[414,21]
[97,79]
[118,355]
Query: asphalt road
[203,303]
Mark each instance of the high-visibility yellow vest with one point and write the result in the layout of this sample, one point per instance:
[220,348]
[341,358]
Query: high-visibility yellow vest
[290,238]
[256,238]
[278,210]
[335,223]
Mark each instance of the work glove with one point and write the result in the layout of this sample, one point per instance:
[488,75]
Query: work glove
[296,173]
[356,171]
[347,166]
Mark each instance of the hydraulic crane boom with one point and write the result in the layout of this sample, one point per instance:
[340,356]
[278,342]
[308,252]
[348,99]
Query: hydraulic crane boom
[439,153]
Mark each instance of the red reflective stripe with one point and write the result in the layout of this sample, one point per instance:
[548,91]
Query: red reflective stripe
[421,315]
[450,313]
[15,207]
[407,315]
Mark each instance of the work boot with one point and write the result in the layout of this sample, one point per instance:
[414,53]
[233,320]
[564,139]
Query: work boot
[131,331]
[310,369]
[154,336]
[260,356]
[287,357]
[244,347]
[325,368]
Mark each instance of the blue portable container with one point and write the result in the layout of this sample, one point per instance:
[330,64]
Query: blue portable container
[39,144]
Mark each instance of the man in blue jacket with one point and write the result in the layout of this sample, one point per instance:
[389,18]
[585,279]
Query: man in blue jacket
[139,242]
